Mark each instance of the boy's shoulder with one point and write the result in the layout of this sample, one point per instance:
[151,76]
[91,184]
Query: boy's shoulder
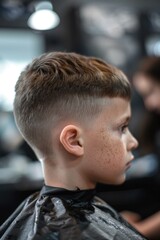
[112,222]
[47,216]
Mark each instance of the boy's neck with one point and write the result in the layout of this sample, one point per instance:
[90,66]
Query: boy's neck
[69,178]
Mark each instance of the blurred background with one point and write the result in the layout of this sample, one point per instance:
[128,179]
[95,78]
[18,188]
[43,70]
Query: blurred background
[121,32]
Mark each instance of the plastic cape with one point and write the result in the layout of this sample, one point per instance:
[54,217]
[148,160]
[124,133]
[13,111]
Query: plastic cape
[60,214]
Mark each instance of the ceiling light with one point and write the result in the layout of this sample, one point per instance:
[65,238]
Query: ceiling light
[44,18]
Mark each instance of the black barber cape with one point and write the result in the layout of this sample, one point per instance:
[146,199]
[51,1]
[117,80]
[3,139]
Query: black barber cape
[60,214]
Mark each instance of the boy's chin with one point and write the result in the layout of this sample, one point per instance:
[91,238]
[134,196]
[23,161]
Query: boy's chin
[116,182]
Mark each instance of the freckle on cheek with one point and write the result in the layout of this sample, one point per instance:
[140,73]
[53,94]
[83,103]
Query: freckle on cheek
[107,159]
[110,154]
[106,156]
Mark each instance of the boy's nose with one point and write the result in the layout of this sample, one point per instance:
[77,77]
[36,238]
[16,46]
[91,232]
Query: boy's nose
[133,144]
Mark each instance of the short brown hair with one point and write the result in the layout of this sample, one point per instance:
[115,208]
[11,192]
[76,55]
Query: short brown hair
[58,85]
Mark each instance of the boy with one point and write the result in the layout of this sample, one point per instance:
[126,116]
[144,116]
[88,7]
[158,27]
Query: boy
[74,112]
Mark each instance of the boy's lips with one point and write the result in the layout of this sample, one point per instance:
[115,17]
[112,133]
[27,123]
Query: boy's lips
[128,165]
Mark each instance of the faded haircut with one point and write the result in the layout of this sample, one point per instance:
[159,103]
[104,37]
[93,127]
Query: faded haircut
[57,86]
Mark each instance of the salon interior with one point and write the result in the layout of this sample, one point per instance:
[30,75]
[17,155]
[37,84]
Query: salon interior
[121,32]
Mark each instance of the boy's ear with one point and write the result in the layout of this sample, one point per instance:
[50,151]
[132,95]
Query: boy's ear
[71,140]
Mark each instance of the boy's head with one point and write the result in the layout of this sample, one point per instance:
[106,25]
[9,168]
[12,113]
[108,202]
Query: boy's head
[59,94]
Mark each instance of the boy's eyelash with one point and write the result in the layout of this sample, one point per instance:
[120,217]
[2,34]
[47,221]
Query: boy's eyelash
[124,127]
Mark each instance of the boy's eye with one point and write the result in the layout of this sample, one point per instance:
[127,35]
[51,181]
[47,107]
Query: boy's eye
[124,128]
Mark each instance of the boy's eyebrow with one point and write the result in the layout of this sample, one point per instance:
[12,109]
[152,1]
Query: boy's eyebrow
[126,119]
[123,120]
